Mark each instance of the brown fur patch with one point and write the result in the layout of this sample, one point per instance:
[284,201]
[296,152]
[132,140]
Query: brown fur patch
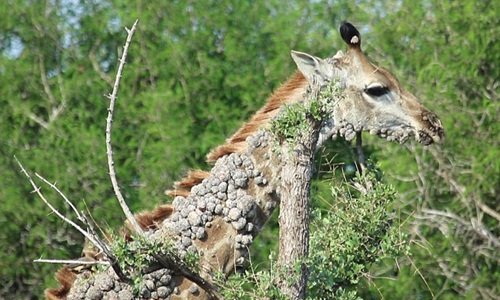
[66,278]
[151,219]
[237,142]
[175,193]
[183,186]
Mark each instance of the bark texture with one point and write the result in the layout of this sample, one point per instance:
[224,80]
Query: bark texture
[296,178]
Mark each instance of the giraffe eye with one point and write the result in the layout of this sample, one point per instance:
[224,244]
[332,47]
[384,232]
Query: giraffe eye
[376,91]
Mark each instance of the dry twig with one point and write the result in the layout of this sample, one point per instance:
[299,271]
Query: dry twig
[109,150]
[71,261]
[37,190]
[54,187]
[90,233]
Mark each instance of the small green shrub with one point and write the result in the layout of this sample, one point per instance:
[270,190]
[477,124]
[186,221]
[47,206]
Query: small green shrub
[355,232]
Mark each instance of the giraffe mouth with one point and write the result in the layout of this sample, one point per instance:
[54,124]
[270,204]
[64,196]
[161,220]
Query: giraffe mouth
[396,133]
[436,135]
[401,134]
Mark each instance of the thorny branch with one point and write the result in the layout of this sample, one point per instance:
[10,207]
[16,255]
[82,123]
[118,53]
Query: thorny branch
[54,187]
[91,236]
[37,190]
[167,262]
[109,150]
[101,245]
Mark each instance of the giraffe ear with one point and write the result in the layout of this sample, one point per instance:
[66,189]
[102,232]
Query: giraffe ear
[313,68]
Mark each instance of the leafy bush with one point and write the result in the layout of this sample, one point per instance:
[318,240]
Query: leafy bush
[356,231]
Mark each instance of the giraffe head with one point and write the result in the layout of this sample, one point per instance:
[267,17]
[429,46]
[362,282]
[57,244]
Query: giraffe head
[373,99]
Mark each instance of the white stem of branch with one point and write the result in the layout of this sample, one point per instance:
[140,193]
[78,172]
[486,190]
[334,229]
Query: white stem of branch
[53,186]
[488,210]
[69,261]
[37,190]
[109,121]
[38,120]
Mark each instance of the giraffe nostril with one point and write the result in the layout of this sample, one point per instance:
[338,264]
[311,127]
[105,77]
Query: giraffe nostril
[434,121]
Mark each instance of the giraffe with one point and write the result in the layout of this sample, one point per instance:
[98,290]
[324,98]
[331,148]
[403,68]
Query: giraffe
[217,214]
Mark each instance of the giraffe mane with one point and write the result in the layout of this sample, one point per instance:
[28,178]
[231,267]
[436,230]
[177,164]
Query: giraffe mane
[151,219]
[66,278]
[237,142]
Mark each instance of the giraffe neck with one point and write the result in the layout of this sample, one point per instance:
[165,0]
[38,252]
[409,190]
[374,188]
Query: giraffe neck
[223,213]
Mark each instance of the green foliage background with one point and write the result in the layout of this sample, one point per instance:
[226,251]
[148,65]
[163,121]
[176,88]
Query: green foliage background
[196,71]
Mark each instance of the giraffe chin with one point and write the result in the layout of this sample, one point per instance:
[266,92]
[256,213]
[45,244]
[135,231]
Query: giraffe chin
[399,134]
[403,135]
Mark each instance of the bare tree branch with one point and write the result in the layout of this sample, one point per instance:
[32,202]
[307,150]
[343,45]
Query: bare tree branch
[38,120]
[91,235]
[45,81]
[71,261]
[476,227]
[488,210]
[37,190]
[57,107]
[109,121]
[56,111]
[53,186]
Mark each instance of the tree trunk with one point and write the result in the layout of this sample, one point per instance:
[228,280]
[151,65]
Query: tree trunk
[294,211]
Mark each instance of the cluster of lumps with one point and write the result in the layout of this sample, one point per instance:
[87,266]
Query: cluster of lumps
[223,194]
[400,134]
[106,286]
[158,285]
[101,286]
[348,131]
